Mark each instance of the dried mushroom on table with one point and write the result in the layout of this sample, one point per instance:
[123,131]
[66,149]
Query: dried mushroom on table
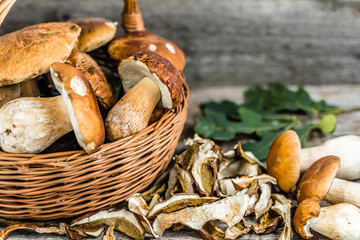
[203,187]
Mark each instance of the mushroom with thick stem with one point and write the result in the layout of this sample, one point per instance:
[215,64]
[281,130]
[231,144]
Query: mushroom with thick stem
[95,32]
[347,148]
[82,106]
[340,221]
[137,39]
[319,182]
[148,80]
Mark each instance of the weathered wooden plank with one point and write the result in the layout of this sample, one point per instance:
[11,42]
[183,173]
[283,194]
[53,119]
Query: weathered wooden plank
[234,42]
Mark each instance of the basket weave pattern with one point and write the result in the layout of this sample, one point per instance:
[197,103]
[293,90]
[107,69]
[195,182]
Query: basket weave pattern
[66,184]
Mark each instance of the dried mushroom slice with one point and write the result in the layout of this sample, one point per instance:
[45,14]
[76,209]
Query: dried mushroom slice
[187,158]
[239,168]
[172,182]
[137,204]
[283,206]
[265,202]
[37,227]
[122,220]
[231,186]
[248,156]
[185,179]
[204,168]
[268,223]
[237,230]
[210,231]
[229,210]
[177,202]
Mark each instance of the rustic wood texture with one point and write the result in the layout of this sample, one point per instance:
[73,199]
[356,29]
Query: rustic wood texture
[235,42]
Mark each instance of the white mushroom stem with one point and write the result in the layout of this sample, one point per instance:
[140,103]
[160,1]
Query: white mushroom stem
[31,124]
[340,222]
[347,148]
[132,113]
[343,191]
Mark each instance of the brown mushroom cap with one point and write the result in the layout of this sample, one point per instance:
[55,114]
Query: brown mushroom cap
[29,52]
[317,180]
[139,65]
[283,160]
[101,87]
[140,41]
[307,209]
[82,105]
[95,32]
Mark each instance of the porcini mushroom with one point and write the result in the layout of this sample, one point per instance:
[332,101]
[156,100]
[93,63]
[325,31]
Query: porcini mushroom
[137,39]
[31,124]
[347,148]
[99,84]
[283,160]
[339,221]
[148,80]
[95,32]
[82,106]
[29,52]
[319,182]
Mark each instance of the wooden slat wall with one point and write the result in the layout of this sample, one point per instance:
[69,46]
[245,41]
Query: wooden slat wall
[235,42]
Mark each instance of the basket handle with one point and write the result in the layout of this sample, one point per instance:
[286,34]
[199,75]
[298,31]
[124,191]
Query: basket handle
[132,20]
[5,6]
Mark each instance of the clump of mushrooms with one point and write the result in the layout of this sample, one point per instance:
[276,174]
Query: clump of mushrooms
[286,159]
[319,182]
[340,221]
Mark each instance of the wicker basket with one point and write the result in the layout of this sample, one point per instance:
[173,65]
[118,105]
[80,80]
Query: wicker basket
[67,184]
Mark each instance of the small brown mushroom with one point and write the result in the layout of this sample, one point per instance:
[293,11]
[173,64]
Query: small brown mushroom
[339,221]
[101,87]
[95,32]
[283,160]
[319,182]
[137,39]
[148,80]
[82,106]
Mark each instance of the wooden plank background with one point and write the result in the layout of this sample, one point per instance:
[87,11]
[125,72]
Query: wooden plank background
[235,42]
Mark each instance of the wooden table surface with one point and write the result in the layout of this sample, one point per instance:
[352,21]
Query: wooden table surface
[344,96]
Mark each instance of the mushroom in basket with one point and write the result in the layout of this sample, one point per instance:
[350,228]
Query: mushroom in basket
[137,39]
[30,125]
[148,80]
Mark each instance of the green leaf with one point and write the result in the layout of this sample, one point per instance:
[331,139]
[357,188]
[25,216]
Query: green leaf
[304,132]
[261,148]
[280,98]
[327,124]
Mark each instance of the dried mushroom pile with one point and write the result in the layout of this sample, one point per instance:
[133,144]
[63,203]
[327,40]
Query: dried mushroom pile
[40,62]
[204,186]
